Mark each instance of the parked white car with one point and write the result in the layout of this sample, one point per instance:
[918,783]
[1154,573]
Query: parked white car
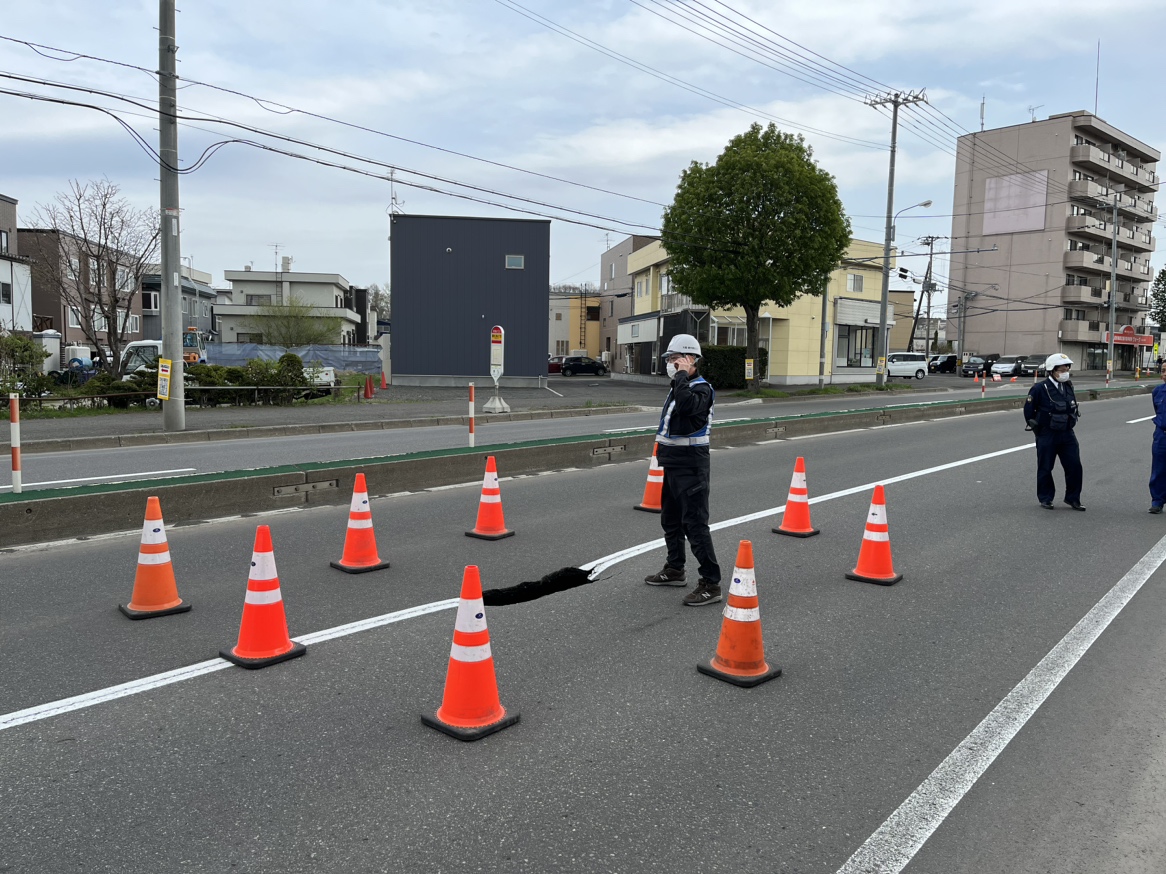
[907,364]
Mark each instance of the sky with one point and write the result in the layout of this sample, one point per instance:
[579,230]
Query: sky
[586,110]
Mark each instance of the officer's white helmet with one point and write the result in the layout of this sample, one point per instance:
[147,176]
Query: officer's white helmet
[683,344]
[1057,359]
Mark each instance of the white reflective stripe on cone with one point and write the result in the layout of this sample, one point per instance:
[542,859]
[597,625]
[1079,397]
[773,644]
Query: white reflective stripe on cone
[881,536]
[471,616]
[262,566]
[742,614]
[470,653]
[359,502]
[744,583]
[878,514]
[154,558]
[153,531]
[271,596]
[797,499]
[491,499]
[799,481]
[360,523]
[490,480]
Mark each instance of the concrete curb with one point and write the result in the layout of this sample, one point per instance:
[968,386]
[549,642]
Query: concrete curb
[101,509]
[115,441]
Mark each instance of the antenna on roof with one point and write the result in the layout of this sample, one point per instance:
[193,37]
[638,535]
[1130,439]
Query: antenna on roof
[983,100]
[1032,110]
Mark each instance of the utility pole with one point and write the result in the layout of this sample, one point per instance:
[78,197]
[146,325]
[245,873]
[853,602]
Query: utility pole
[825,336]
[174,409]
[930,241]
[895,99]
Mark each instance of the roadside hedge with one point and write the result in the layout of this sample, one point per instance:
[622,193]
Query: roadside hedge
[724,366]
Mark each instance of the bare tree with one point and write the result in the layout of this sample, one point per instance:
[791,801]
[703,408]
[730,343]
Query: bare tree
[105,247]
[381,300]
[294,323]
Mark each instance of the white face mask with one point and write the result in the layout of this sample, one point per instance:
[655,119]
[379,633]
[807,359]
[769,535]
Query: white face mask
[1063,376]
[671,369]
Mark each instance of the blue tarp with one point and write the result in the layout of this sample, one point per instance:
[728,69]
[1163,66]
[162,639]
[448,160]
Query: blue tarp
[361,359]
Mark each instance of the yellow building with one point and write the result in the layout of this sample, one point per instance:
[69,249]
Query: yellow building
[583,325]
[792,334]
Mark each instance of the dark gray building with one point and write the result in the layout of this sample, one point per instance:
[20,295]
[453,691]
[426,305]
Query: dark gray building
[455,277]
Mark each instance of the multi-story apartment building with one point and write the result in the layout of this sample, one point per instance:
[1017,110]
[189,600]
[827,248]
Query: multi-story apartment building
[1043,194]
[615,299]
[15,276]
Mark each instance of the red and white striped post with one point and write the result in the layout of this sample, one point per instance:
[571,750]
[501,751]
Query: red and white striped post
[471,415]
[14,439]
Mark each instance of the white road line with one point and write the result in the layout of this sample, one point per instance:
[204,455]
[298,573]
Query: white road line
[552,391]
[54,708]
[89,479]
[826,434]
[1143,419]
[904,832]
[626,430]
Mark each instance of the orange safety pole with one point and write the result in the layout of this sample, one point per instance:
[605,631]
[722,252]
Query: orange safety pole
[14,440]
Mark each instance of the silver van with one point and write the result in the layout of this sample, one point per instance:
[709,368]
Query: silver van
[907,364]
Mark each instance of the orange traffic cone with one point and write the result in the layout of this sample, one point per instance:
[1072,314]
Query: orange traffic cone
[795,521]
[740,657]
[368,392]
[384,382]
[491,525]
[155,591]
[470,708]
[874,558]
[360,543]
[975,377]
[263,638]
[1013,379]
[654,488]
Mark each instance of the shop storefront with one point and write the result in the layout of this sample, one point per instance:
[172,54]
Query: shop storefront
[856,323]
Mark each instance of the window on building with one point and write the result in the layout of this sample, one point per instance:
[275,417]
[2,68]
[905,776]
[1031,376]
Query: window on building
[558,317]
[258,300]
[639,288]
[185,305]
[665,283]
[612,270]
[124,279]
[611,307]
[248,338]
[74,317]
[75,269]
[150,301]
[607,344]
[854,282]
[4,243]
[562,347]
[98,322]
[94,272]
[635,330]
[135,324]
[593,314]
[515,262]
[854,347]
[5,292]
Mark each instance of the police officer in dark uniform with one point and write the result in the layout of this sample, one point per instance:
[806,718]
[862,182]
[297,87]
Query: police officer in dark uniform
[1051,413]
[1158,470]
[682,449]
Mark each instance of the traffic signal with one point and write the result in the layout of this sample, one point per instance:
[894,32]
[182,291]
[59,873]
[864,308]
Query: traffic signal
[904,273]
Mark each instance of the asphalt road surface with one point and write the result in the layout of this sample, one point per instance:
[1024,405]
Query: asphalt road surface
[626,759]
[62,470]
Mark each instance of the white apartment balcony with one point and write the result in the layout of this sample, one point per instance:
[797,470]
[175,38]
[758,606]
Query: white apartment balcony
[1108,164]
[1082,294]
[1091,262]
[1080,332]
[1089,226]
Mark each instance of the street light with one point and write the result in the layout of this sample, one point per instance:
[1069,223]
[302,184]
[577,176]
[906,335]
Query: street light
[881,339]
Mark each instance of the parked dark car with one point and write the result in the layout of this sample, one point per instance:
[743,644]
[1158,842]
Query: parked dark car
[1033,365]
[555,363]
[581,364]
[943,364]
[972,366]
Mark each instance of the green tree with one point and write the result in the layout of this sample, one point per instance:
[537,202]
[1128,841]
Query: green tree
[1158,298]
[762,224]
[295,323]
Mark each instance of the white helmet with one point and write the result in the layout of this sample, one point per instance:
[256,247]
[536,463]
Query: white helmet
[682,344]
[1057,359]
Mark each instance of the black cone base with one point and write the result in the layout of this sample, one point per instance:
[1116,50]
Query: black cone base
[648,509]
[481,536]
[298,649]
[468,734]
[745,682]
[150,614]
[889,581]
[809,533]
[364,569]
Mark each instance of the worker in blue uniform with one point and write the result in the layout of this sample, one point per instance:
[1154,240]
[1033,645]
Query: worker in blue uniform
[682,449]
[1051,413]
[1158,468]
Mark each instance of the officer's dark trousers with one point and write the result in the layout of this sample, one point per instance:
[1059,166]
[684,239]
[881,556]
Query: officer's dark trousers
[1158,471]
[684,504]
[1050,446]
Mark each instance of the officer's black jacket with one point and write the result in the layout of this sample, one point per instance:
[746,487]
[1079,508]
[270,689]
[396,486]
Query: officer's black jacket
[1049,398]
[691,404]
